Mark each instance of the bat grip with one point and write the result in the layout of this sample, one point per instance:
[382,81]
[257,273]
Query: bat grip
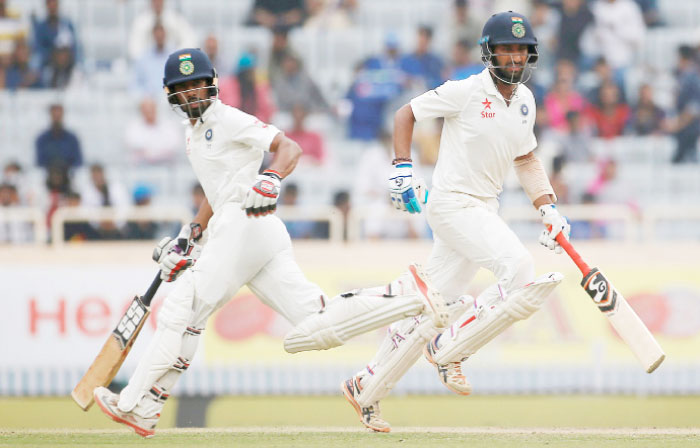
[146,299]
[575,257]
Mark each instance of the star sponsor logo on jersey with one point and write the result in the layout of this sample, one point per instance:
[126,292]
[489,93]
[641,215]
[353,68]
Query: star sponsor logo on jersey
[487,105]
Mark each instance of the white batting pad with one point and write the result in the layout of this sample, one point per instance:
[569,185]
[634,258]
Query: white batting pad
[349,315]
[473,330]
[400,350]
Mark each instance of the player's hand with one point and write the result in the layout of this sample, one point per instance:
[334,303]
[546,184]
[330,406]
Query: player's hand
[557,223]
[261,200]
[401,188]
[175,255]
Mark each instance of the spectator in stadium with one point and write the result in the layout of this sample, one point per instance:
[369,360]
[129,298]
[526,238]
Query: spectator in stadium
[463,65]
[297,229]
[150,139]
[341,201]
[312,141]
[563,97]
[617,33]
[269,13]
[14,175]
[142,229]
[545,24]
[423,64]
[575,144]
[574,17]
[295,86]
[465,25]
[279,50]
[610,116]
[59,73]
[178,30]
[55,31]
[58,185]
[647,117]
[148,68]
[12,29]
[102,193]
[556,178]
[368,96]
[247,91]
[685,126]
[80,230]
[57,145]
[20,74]
[211,48]
[12,231]
[601,74]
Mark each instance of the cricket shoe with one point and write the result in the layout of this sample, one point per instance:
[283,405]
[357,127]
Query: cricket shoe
[435,305]
[369,416]
[451,373]
[107,401]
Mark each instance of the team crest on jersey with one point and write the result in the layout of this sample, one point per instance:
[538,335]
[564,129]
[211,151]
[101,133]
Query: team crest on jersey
[518,30]
[524,110]
[208,135]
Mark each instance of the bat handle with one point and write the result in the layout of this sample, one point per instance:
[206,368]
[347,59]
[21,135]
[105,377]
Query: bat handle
[575,257]
[146,299]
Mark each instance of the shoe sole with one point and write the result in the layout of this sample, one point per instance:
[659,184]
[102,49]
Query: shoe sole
[348,396]
[429,357]
[138,430]
[432,297]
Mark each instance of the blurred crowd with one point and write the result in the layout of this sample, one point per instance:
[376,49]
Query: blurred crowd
[583,87]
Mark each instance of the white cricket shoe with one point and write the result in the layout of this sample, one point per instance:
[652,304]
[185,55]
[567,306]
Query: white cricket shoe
[435,305]
[451,373]
[107,401]
[369,416]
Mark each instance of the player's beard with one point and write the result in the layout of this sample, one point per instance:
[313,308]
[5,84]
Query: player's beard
[512,77]
[198,110]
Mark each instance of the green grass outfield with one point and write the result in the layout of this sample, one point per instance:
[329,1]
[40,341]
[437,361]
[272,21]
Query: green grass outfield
[420,421]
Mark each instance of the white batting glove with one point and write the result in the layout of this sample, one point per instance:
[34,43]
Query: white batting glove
[175,255]
[403,195]
[558,224]
[261,199]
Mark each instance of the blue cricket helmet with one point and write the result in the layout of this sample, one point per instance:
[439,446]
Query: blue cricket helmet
[507,28]
[189,64]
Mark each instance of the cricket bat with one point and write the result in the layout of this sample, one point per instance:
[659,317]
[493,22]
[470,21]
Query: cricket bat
[618,311]
[114,351]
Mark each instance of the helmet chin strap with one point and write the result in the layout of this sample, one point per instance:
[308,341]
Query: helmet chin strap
[514,78]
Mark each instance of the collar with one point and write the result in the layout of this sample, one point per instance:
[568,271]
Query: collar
[489,86]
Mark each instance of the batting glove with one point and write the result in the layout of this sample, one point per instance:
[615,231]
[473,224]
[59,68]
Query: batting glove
[261,200]
[403,195]
[557,223]
[175,255]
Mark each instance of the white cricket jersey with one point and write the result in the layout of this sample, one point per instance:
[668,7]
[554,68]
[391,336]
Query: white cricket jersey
[226,149]
[481,135]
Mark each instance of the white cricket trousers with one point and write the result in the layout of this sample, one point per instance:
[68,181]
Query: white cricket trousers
[468,235]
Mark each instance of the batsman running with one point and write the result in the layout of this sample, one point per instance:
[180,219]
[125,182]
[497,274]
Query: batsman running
[488,127]
[245,245]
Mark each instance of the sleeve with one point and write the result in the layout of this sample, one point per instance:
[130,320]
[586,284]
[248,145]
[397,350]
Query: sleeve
[250,131]
[444,101]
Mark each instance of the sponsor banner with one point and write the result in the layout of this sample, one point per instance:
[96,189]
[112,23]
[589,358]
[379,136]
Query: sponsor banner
[59,314]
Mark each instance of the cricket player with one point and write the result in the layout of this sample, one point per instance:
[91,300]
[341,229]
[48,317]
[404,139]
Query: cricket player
[246,245]
[488,128]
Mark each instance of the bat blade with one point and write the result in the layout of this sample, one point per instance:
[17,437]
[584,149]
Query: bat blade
[624,320]
[114,351]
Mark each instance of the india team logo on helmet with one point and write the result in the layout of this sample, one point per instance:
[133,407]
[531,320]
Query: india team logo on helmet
[518,28]
[186,65]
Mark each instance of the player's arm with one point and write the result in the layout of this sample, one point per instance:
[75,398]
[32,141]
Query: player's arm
[261,200]
[535,182]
